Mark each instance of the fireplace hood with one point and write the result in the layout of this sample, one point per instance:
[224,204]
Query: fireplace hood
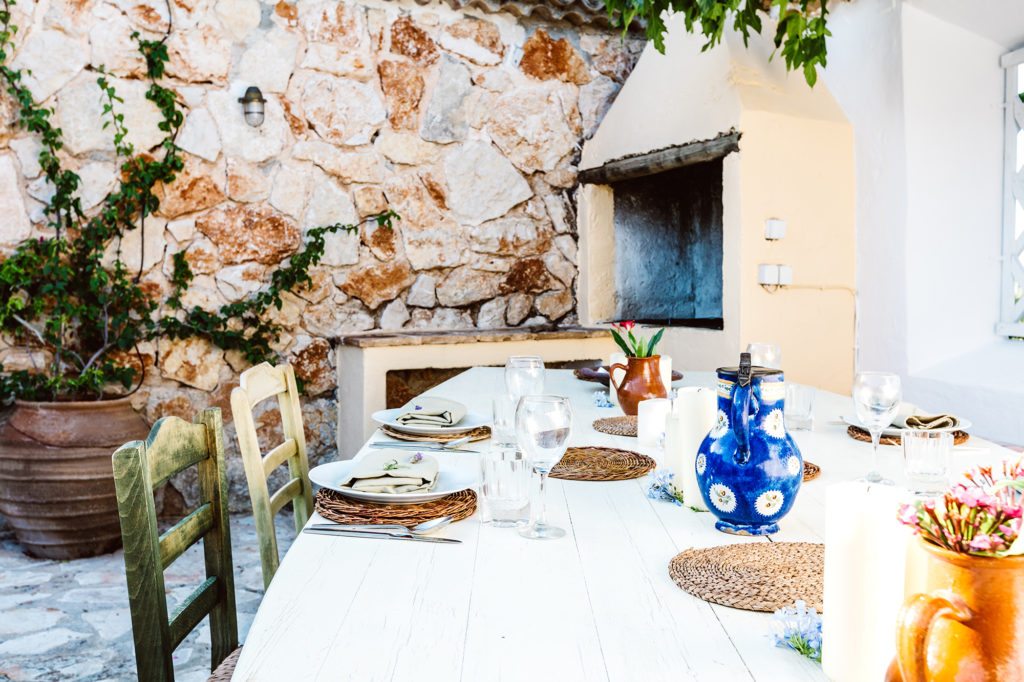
[698,150]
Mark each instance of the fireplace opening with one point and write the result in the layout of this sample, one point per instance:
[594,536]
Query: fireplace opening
[668,246]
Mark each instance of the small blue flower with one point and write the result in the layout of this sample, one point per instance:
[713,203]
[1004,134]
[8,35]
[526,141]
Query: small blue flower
[601,400]
[417,407]
[662,488]
[798,627]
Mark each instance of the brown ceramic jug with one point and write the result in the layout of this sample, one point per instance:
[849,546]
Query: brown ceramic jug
[642,381]
[963,620]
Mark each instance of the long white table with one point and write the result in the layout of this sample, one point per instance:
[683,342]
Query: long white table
[595,605]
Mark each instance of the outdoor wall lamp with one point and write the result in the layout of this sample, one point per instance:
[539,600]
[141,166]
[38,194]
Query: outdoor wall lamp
[252,106]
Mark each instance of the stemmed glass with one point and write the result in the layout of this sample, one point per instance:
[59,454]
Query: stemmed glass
[543,425]
[876,396]
[524,375]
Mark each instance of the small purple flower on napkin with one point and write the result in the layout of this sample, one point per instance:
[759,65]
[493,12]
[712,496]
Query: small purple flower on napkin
[417,407]
[418,457]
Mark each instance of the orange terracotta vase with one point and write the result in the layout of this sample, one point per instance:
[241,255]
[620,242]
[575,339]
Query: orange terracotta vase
[642,381]
[963,620]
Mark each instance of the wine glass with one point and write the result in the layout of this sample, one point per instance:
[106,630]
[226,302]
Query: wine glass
[876,396]
[543,424]
[765,355]
[524,375]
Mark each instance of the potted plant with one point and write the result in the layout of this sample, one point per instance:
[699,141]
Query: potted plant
[642,378]
[83,326]
[966,582]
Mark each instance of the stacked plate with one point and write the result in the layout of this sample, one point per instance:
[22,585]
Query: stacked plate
[403,419]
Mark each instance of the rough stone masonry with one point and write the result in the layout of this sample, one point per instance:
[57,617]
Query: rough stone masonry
[465,122]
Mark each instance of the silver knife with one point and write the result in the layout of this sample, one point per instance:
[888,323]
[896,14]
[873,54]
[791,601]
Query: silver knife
[424,448]
[378,536]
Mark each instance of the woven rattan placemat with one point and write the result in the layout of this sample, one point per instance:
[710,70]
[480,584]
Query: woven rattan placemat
[811,471]
[602,464]
[333,506]
[616,426]
[756,576]
[857,433]
[479,433]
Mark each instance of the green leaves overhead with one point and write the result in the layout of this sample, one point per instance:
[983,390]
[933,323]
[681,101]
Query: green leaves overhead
[799,36]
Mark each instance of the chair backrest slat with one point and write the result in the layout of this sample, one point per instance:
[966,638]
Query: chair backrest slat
[192,610]
[256,385]
[139,467]
[184,534]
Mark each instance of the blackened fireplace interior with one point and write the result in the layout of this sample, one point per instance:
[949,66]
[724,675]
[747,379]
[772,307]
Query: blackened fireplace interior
[668,247]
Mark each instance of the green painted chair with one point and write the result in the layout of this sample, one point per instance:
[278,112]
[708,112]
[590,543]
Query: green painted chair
[257,384]
[139,468]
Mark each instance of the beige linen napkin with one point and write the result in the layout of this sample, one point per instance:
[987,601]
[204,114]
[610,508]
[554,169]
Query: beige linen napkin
[925,422]
[393,471]
[432,412]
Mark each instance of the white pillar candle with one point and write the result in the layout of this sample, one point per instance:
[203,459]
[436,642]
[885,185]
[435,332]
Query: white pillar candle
[865,556]
[650,420]
[618,374]
[665,365]
[693,415]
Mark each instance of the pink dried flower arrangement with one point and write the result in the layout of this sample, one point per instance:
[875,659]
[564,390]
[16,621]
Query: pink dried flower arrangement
[979,515]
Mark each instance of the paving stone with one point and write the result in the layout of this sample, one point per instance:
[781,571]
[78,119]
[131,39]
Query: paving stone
[40,642]
[24,620]
[110,623]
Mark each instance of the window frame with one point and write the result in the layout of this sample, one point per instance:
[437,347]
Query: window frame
[1011,312]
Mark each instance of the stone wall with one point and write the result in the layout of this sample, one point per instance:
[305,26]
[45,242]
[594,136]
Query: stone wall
[467,124]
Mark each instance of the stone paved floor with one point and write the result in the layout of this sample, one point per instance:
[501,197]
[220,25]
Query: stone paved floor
[69,620]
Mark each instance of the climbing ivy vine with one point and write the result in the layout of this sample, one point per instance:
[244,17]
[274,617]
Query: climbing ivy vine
[68,298]
[799,35]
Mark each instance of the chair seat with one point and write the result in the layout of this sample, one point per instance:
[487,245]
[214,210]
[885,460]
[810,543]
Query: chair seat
[226,668]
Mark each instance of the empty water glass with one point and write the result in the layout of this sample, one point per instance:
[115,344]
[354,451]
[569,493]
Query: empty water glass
[876,396]
[765,355]
[505,474]
[503,420]
[799,407]
[524,375]
[926,460]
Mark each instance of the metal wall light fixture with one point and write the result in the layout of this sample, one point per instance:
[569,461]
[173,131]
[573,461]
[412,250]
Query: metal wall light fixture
[252,106]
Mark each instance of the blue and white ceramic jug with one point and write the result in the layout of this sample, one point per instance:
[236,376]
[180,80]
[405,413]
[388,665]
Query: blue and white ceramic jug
[749,469]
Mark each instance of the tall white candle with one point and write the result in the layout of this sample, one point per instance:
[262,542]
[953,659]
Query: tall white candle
[618,374]
[650,420]
[865,556]
[665,366]
[693,415]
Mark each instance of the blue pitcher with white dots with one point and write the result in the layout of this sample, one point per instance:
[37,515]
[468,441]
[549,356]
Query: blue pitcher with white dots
[749,468]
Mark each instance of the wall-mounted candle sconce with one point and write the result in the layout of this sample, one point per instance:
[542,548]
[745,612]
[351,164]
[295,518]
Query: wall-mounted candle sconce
[252,106]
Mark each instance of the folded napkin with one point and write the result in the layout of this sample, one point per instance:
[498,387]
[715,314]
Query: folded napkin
[925,422]
[903,412]
[393,471]
[432,412]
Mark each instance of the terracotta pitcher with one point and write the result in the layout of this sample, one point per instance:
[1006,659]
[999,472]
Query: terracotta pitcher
[642,381]
[963,620]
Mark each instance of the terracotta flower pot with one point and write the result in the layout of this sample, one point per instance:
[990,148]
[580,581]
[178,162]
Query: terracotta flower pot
[642,381]
[963,620]
[56,480]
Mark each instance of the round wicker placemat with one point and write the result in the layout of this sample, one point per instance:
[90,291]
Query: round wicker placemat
[334,507]
[757,576]
[601,464]
[857,433]
[479,433]
[616,426]
[811,471]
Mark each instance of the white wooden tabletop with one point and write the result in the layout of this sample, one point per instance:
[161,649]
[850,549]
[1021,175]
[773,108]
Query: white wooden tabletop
[595,605]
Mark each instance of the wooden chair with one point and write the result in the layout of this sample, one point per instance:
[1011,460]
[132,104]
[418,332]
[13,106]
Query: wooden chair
[139,468]
[256,385]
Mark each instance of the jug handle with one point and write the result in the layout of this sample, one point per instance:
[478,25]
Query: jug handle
[919,613]
[611,374]
[741,409]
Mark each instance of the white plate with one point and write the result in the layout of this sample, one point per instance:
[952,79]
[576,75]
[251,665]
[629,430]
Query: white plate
[467,423]
[895,431]
[449,480]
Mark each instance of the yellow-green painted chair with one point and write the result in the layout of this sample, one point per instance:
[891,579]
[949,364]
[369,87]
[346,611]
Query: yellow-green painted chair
[257,384]
[139,468]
